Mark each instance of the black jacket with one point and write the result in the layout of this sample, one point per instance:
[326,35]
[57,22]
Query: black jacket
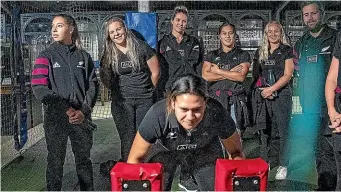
[64,76]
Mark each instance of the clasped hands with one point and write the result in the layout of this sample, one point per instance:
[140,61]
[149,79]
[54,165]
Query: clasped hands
[335,120]
[75,116]
[267,92]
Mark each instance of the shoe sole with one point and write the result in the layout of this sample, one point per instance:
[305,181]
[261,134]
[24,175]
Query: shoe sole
[184,188]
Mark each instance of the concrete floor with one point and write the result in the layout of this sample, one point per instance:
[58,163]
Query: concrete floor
[27,172]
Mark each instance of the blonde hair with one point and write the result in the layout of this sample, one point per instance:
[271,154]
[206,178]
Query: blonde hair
[264,48]
[110,51]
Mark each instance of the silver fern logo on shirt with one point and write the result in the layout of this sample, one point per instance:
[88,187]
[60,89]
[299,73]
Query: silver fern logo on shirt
[81,64]
[168,48]
[324,50]
[196,48]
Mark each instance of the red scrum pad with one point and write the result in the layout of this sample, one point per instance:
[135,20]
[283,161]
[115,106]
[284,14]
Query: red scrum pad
[137,177]
[241,175]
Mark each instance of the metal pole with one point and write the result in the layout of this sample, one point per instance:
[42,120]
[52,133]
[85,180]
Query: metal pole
[143,5]
[6,10]
[279,10]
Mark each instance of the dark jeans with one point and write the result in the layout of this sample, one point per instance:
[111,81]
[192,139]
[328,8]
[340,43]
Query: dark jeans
[57,130]
[201,178]
[128,114]
[325,160]
[274,138]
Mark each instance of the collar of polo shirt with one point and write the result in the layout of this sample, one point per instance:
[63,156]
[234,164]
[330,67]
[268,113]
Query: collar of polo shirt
[185,37]
[220,50]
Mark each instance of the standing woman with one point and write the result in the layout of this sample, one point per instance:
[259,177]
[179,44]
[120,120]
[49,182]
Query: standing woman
[64,80]
[226,69]
[180,52]
[273,59]
[333,97]
[130,70]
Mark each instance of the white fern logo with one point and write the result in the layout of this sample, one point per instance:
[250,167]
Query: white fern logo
[325,49]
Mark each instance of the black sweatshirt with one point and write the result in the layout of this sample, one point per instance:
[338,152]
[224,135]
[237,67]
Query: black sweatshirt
[64,76]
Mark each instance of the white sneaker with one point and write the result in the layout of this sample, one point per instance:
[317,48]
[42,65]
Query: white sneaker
[281,173]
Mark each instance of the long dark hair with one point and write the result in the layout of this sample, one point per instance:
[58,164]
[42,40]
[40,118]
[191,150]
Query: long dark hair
[190,84]
[75,33]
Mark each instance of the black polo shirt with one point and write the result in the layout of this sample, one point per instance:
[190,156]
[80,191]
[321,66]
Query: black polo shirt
[193,149]
[227,61]
[181,58]
[215,124]
[276,63]
[135,84]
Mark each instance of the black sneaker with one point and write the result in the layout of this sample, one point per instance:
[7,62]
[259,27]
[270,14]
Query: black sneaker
[188,183]
[105,168]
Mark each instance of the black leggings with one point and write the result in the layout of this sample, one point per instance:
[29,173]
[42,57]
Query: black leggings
[275,137]
[128,114]
[201,178]
[57,130]
[338,163]
[326,166]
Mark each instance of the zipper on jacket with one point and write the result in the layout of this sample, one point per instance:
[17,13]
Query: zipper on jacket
[70,70]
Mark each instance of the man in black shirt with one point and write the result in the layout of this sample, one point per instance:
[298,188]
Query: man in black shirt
[189,127]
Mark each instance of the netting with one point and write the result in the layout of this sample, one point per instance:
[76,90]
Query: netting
[6,75]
